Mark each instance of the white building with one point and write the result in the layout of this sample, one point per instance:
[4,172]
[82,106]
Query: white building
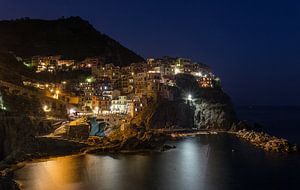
[119,105]
[111,94]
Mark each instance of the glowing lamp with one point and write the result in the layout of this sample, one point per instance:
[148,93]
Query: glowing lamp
[46,108]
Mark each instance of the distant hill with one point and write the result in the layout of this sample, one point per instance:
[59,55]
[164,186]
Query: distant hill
[72,38]
[11,70]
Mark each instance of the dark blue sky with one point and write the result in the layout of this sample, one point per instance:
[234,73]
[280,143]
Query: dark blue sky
[253,45]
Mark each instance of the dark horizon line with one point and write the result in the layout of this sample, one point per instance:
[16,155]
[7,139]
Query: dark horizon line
[262,105]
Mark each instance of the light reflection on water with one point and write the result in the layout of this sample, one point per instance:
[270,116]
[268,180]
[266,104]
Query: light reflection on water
[206,163]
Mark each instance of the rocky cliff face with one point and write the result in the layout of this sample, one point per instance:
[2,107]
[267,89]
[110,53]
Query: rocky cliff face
[202,113]
[16,135]
[213,110]
[172,114]
[209,109]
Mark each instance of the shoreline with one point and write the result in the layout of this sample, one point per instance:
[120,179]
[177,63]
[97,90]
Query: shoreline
[110,149]
[266,141]
[8,169]
[89,147]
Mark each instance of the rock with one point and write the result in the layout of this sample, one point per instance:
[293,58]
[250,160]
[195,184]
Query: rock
[7,183]
[214,110]
[130,144]
[295,148]
[166,147]
[267,142]
[93,140]
[80,131]
[61,131]
[130,138]
[16,135]
[167,114]
[240,125]
[209,109]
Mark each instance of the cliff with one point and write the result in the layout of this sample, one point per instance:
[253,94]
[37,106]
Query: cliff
[7,62]
[16,135]
[209,109]
[213,110]
[170,114]
[72,38]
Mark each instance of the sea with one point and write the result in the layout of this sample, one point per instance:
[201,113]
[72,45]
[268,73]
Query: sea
[280,121]
[208,162]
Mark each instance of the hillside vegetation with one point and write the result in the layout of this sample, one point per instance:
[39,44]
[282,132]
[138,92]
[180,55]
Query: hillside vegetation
[73,38]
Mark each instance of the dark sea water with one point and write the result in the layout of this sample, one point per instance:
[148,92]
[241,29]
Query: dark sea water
[281,121]
[206,162]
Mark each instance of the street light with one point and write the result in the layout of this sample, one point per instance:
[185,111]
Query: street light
[90,79]
[96,110]
[72,111]
[55,96]
[190,97]
[46,108]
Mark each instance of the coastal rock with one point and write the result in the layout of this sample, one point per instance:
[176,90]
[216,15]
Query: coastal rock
[240,125]
[51,146]
[267,142]
[133,138]
[80,131]
[210,109]
[130,138]
[213,115]
[166,147]
[171,114]
[16,134]
[213,109]
[7,183]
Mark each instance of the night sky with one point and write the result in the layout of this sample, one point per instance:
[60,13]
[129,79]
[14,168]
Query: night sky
[253,45]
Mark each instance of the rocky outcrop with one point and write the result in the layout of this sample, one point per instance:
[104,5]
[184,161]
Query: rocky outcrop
[213,110]
[79,132]
[171,114]
[133,138]
[51,146]
[167,147]
[128,138]
[267,142]
[209,109]
[7,183]
[16,134]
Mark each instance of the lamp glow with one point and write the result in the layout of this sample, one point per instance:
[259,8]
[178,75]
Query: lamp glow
[46,108]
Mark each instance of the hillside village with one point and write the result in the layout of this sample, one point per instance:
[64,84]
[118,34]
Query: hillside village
[111,93]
